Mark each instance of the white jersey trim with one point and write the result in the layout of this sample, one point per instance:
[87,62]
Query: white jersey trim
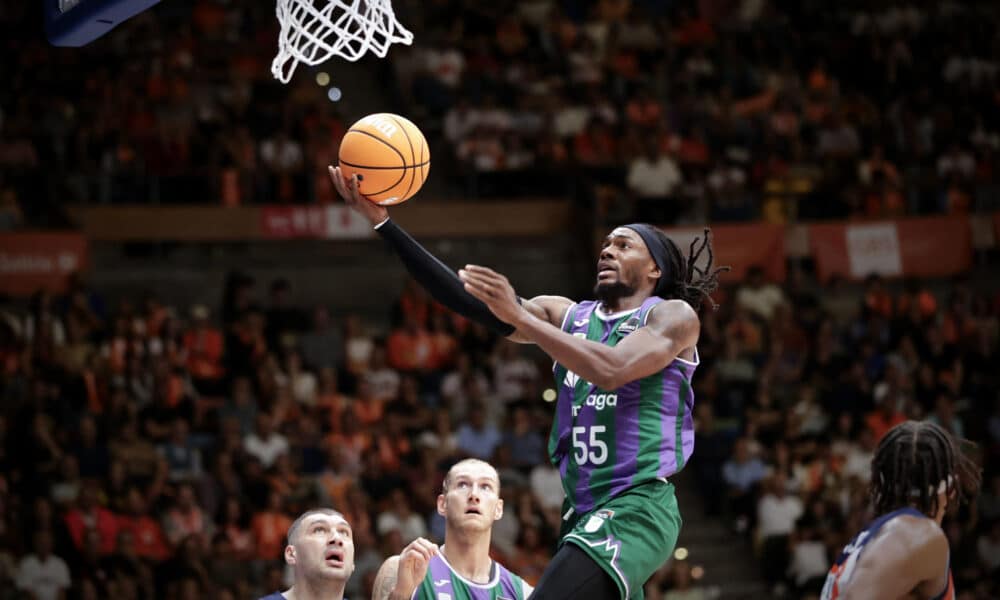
[611,317]
[494,565]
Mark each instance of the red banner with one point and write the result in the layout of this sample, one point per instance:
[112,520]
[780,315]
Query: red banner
[315,222]
[740,247]
[919,247]
[31,261]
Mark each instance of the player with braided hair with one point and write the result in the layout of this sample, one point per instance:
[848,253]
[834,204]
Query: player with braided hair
[623,367]
[918,471]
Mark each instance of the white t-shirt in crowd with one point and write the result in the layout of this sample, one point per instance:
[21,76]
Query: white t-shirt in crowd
[267,451]
[777,516]
[45,579]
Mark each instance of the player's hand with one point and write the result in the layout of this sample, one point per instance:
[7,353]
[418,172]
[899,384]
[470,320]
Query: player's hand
[348,190]
[413,561]
[495,292]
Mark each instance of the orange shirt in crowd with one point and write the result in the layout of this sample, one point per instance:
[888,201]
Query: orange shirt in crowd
[241,539]
[269,529]
[204,351]
[101,519]
[409,350]
[367,411]
[333,405]
[148,536]
[880,424]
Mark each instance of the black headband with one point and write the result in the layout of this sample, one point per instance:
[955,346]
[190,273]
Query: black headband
[658,250]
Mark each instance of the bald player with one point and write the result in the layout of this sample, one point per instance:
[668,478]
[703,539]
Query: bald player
[321,552]
[462,568]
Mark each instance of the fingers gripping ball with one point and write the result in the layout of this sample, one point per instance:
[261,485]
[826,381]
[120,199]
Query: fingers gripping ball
[389,155]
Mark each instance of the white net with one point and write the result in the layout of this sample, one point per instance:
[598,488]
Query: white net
[312,31]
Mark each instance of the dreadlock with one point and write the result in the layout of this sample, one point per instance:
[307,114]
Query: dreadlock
[684,286]
[910,463]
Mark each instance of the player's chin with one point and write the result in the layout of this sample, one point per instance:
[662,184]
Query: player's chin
[335,571]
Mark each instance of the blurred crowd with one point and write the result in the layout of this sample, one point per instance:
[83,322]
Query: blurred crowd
[148,452]
[803,384]
[666,111]
[715,109]
[152,452]
[178,105]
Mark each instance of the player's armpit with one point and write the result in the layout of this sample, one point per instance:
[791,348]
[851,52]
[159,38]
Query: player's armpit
[547,308]
[385,579]
[910,555]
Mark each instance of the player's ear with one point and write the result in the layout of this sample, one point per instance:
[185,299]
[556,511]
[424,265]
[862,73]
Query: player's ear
[655,273]
[290,554]
[498,511]
[441,504]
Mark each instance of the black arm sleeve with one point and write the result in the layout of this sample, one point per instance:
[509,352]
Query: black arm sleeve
[441,282]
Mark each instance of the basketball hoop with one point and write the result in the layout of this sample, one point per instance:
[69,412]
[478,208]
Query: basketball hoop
[312,31]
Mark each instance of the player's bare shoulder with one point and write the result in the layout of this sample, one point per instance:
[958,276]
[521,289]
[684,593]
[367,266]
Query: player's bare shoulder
[677,320]
[385,579]
[921,536]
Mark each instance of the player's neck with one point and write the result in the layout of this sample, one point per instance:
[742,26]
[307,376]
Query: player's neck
[468,555]
[622,304]
[316,590]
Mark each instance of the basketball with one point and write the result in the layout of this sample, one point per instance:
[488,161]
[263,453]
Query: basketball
[390,156]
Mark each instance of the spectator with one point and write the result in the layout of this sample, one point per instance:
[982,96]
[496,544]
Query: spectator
[148,540]
[89,518]
[264,443]
[183,460]
[741,474]
[777,512]
[652,178]
[322,347]
[186,519]
[268,528]
[203,344]
[759,297]
[476,437]
[43,574]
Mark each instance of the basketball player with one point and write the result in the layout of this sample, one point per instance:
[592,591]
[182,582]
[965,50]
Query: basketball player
[623,368]
[462,568]
[917,472]
[321,552]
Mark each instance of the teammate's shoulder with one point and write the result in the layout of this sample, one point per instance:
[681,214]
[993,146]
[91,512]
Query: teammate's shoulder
[390,562]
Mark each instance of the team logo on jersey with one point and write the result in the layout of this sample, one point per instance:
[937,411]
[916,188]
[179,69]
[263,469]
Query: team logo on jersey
[441,582]
[597,519]
[581,323]
[629,326]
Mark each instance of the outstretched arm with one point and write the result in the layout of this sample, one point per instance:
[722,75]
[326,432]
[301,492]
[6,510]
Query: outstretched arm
[671,327]
[440,281]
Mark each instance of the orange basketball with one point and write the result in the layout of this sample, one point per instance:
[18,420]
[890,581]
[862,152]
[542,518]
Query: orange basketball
[390,156]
